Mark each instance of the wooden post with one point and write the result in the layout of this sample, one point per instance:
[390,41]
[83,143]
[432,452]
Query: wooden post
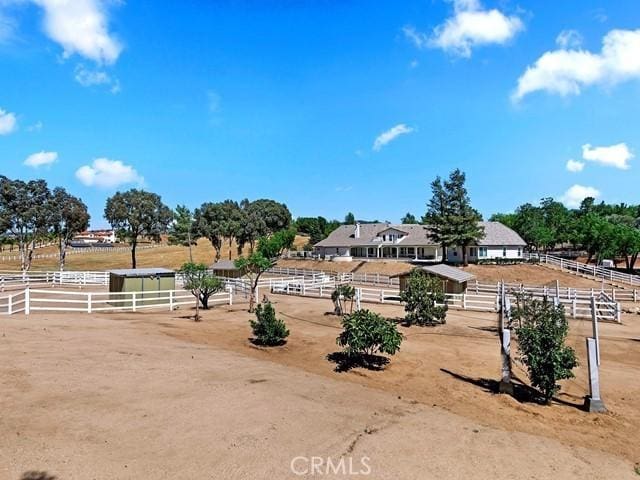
[89,302]
[593,402]
[171,298]
[133,301]
[10,305]
[596,337]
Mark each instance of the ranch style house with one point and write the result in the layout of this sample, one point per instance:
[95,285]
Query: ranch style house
[412,242]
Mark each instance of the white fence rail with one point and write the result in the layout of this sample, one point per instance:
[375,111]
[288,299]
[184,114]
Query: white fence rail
[19,280]
[568,293]
[76,251]
[33,300]
[583,269]
[360,278]
[606,309]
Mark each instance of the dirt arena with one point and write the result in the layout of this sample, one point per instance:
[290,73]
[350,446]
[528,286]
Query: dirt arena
[155,395]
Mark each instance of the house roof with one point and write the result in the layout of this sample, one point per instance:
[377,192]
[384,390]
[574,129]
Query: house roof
[495,233]
[224,265]
[344,235]
[142,272]
[450,273]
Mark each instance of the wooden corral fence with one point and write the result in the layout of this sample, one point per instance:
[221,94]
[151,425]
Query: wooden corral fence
[583,269]
[32,300]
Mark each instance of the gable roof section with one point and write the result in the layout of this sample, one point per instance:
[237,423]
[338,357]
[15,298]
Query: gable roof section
[450,273]
[495,234]
[344,235]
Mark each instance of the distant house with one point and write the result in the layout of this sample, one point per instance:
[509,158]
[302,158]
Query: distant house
[93,237]
[412,242]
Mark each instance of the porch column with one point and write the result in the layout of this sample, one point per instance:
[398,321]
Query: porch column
[397,252]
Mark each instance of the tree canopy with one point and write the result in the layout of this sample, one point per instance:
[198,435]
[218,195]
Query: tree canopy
[136,213]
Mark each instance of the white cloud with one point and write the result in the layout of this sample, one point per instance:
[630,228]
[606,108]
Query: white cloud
[8,122]
[617,156]
[569,39]
[7,28]
[575,165]
[567,71]
[89,78]
[470,26]
[213,101]
[81,27]
[36,127]
[106,173]
[575,194]
[390,135]
[414,64]
[40,159]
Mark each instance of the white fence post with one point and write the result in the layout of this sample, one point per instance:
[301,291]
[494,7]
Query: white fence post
[171,300]
[593,402]
[133,301]
[27,301]
[230,298]
[596,337]
[10,305]
[89,302]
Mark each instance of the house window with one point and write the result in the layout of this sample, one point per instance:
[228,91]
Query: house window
[519,251]
[482,252]
[455,253]
[473,251]
[504,251]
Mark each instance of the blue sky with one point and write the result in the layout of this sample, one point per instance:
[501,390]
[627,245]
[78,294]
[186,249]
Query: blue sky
[203,101]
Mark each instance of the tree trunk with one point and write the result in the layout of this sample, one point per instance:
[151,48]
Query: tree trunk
[62,246]
[197,317]
[444,253]
[465,260]
[230,241]
[190,251]
[134,244]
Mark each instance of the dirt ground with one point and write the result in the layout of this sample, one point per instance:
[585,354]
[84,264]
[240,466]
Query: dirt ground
[155,395]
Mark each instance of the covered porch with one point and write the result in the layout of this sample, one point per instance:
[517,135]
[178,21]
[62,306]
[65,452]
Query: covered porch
[428,253]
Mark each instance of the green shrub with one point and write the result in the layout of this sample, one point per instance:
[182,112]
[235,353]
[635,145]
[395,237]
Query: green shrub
[541,344]
[424,300]
[267,329]
[367,333]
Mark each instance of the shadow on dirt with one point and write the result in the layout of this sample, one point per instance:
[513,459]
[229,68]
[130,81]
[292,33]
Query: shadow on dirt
[345,362]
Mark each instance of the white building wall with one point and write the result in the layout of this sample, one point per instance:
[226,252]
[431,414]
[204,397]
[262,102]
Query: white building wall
[454,254]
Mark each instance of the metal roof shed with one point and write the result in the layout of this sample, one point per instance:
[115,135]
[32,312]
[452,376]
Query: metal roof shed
[140,280]
[454,280]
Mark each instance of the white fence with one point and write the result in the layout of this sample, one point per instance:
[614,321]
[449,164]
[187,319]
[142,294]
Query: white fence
[583,269]
[360,278]
[567,293]
[75,251]
[20,280]
[33,300]
[606,309]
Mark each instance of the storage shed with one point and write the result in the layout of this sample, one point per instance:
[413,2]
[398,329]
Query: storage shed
[454,280]
[140,280]
[226,269]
